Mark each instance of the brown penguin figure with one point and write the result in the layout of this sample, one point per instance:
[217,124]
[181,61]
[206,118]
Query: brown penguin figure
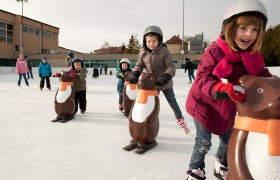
[129,93]
[64,98]
[254,146]
[143,116]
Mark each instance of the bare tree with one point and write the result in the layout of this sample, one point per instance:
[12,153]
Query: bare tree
[106,45]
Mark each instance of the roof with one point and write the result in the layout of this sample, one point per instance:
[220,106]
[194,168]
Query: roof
[29,19]
[108,50]
[174,40]
[66,49]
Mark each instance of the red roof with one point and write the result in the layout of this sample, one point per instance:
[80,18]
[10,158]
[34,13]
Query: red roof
[108,50]
[174,40]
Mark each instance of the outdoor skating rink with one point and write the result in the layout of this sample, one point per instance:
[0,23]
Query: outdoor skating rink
[89,147]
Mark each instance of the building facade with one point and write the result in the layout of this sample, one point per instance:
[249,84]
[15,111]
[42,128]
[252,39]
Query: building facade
[32,36]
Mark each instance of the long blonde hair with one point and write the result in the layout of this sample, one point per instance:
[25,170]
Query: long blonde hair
[244,20]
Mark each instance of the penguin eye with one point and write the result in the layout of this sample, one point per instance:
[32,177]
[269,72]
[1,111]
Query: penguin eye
[260,90]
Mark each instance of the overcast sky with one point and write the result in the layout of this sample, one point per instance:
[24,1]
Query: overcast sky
[86,24]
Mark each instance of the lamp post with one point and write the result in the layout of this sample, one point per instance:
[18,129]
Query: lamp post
[21,25]
[182,50]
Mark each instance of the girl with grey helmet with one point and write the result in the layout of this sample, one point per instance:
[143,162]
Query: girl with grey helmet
[156,58]
[235,53]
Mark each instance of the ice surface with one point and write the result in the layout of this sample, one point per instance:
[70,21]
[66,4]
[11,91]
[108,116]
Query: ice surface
[89,147]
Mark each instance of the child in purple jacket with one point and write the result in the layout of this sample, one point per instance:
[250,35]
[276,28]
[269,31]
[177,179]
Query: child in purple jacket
[236,52]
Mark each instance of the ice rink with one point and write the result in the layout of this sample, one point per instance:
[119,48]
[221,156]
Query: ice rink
[89,147]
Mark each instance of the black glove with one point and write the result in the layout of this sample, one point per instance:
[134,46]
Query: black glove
[40,76]
[50,75]
[134,78]
[161,80]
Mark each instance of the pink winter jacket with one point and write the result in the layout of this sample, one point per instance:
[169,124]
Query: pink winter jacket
[217,116]
[21,66]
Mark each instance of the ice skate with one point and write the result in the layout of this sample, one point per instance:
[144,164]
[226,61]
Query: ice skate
[120,107]
[196,174]
[220,171]
[125,113]
[142,148]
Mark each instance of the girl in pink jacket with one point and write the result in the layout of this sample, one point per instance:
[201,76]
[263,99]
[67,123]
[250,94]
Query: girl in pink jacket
[21,68]
[235,53]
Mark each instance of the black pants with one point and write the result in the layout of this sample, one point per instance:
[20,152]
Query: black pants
[19,79]
[29,73]
[191,74]
[120,97]
[81,100]
[42,82]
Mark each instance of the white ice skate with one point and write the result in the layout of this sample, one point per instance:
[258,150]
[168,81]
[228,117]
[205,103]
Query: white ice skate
[196,174]
[220,171]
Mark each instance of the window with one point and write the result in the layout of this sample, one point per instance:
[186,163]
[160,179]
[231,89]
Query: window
[2,25]
[25,29]
[2,39]
[37,31]
[2,32]
[45,51]
[31,30]
[6,32]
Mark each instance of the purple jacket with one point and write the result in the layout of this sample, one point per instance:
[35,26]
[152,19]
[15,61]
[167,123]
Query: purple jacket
[217,116]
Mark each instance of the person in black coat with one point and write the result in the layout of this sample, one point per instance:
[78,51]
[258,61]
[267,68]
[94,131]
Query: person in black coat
[189,66]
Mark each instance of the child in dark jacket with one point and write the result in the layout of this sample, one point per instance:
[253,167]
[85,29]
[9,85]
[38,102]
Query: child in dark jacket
[79,73]
[156,58]
[123,67]
[45,72]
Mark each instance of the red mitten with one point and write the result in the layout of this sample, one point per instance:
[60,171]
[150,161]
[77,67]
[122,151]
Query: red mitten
[183,125]
[73,75]
[57,75]
[235,92]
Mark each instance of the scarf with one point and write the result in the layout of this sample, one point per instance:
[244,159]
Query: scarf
[253,63]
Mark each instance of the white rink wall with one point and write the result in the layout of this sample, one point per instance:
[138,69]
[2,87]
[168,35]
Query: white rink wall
[180,72]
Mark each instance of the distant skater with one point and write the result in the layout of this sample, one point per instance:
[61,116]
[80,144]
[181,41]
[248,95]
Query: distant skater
[22,69]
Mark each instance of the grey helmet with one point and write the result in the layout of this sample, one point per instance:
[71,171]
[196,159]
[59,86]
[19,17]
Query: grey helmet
[153,30]
[241,7]
[124,60]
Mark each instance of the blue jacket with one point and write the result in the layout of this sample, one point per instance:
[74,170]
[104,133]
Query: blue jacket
[45,69]
[121,79]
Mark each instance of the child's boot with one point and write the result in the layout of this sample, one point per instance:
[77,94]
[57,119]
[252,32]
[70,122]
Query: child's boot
[220,170]
[196,174]
[120,107]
